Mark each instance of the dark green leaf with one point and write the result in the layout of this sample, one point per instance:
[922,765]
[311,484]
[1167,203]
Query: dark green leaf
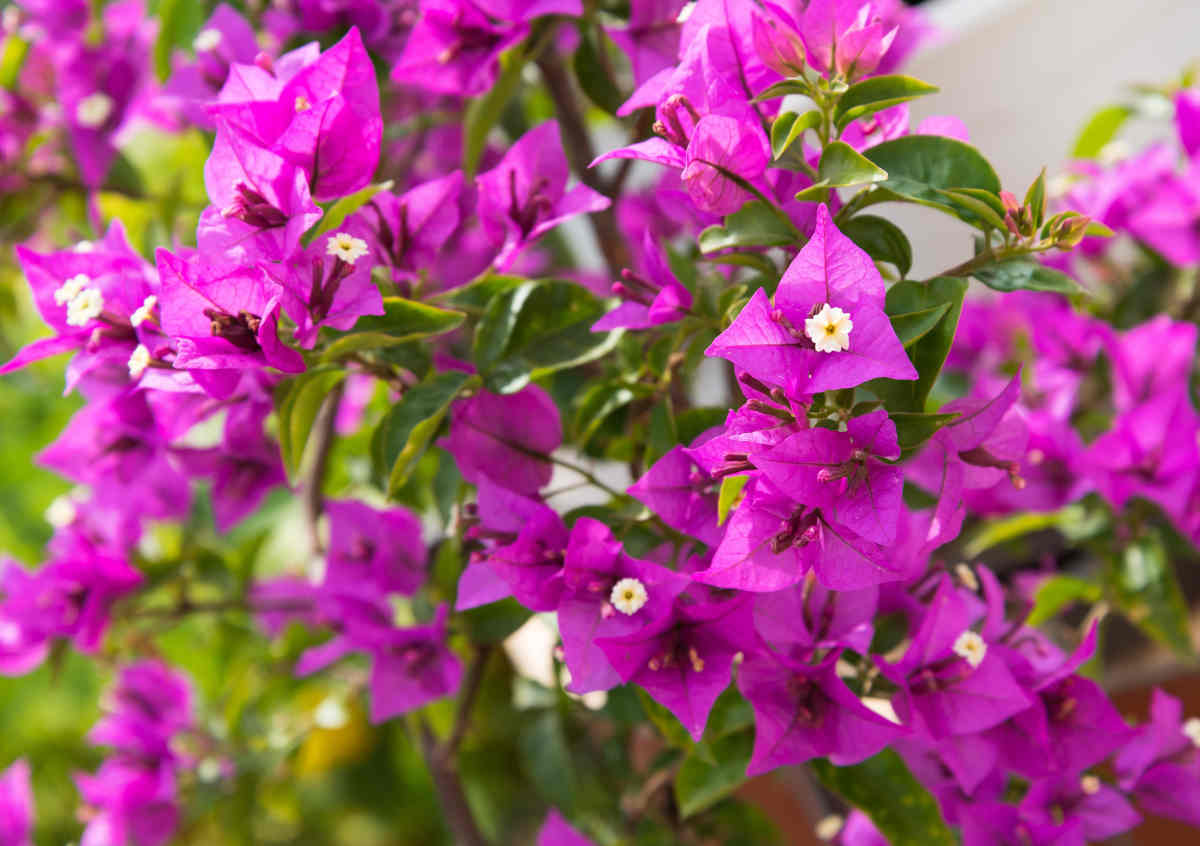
[783,89]
[297,402]
[700,784]
[668,726]
[978,204]
[1026,274]
[546,759]
[753,225]
[1056,593]
[883,788]
[1099,131]
[877,93]
[591,73]
[1143,584]
[914,429]
[919,165]
[405,431]
[536,329]
[599,401]
[402,320]
[495,621]
[842,165]
[476,294]
[695,421]
[912,326]
[788,127]
[929,353]
[881,239]
[660,437]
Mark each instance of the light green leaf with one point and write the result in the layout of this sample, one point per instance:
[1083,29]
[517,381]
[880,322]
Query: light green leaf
[1035,198]
[1101,129]
[788,127]
[484,112]
[337,211]
[404,433]
[402,320]
[730,496]
[878,93]
[297,402]
[883,788]
[1056,593]
[842,165]
[783,89]
[12,59]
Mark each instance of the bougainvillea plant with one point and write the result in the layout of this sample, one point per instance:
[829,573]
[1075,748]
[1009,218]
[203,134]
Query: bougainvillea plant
[510,422]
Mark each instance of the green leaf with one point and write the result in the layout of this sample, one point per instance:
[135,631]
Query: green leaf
[297,402]
[1143,585]
[695,421]
[1035,198]
[537,328]
[1056,593]
[484,112]
[1073,522]
[912,326]
[842,165]
[591,72]
[884,789]
[546,759]
[914,429]
[402,321]
[783,89]
[986,207]
[753,225]
[668,726]
[1025,274]
[929,352]
[877,93]
[788,127]
[476,294]
[700,784]
[1099,131]
[730,496]
[337,211]
[492,623]
[881,239]
[405,431]
[178,22]
[599,401]
[919,165]
[12,59]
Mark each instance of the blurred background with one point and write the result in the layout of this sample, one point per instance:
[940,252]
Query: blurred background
[1024,75]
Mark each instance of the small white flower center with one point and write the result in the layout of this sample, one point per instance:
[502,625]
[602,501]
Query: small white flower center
[144,311]
[70,289]
[208,39]
[85,306]
[971,648]
[829,329]
[61,512]
[628,596]
[1191,727]
[94,109]
[139,361]
[331,714]
[346,247]
[301,104]
[1090,785]
[829,827]
[83,247]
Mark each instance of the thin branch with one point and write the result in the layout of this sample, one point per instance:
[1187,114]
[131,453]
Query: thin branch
[470,692]
[459,819]
[324,427]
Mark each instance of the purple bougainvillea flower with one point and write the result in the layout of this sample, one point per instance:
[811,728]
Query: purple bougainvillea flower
[682,494]
[860,831]
[798,620]
[16,805]
[222,317]
[144,710]
[320,112]
[1160,767]
[261,202]
[328,284]
[525,195]
[557,832]
[1151,359]
[1187,120]
[803,711]
[651,39]
[407,232]
[507,438]
[522,547]
[128,802]
[650,300]
[842,474]
[379,548]
[683,659]
[826,328]
[846,36]
[606,594]
[225,39]
[1099,809]
[772,540]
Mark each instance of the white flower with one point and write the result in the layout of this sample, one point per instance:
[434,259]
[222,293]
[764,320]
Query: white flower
[84,247]
[208,39]
[139,361]
[62,512]
[70,289]
[829,329]
[144,311]
[346,247]
[85,306]
[94,109]
[1191,727]
[628,596]
[971,648]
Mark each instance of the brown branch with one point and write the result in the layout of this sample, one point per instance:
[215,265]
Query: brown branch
[463,827]
[577,144]
[470,691]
